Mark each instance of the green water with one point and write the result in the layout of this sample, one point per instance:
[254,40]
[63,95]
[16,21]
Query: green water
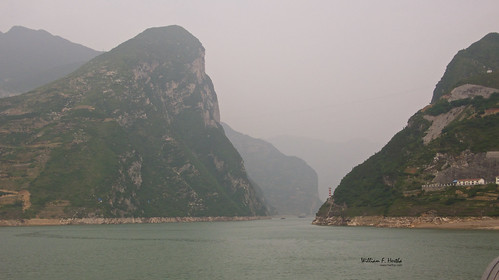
[266,249]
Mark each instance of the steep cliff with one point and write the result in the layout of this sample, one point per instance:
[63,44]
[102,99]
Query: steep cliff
[453,138]
[134,132]
[288,183]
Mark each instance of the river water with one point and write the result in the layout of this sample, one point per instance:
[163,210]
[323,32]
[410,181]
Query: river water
[264,249]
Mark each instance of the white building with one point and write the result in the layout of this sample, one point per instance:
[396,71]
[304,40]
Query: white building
[470,182]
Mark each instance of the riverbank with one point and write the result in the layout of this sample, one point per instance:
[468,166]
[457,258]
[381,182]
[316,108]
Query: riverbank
[490,223]
[115,221]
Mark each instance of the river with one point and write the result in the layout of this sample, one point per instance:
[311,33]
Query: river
[264,249]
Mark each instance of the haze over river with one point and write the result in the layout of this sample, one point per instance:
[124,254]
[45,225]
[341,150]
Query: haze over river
[265,249]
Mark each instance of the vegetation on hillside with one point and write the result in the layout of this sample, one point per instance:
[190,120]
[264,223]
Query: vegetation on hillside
[389,183]
[475,61]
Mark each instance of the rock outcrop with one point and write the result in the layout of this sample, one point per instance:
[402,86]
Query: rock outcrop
[469,91]
[411,222]
[117,221]
[438,123]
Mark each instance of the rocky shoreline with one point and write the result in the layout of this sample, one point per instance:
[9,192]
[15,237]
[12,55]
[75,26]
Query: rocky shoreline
[412,222]
[115,221]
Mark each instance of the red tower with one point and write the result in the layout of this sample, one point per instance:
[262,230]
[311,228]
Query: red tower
[329,191]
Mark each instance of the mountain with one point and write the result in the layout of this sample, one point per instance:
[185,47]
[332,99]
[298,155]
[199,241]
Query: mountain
[31,58]
[454,138]
[134,132]
[331,160]
[288,183]
[474,62]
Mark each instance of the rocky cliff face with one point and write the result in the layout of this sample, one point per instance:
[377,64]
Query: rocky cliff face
[134,132]
[447,168]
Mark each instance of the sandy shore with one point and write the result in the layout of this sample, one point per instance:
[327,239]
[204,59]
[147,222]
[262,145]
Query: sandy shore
[110,221]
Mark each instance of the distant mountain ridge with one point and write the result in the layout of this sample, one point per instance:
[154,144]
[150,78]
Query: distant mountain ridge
[31,58]
[134,132]
[454,138]
[288,183]
[331,160]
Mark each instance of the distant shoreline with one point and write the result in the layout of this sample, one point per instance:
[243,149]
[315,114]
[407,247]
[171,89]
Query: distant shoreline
[432,222]
[116,221]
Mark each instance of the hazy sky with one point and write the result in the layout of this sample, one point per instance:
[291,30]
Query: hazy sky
[330,70]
